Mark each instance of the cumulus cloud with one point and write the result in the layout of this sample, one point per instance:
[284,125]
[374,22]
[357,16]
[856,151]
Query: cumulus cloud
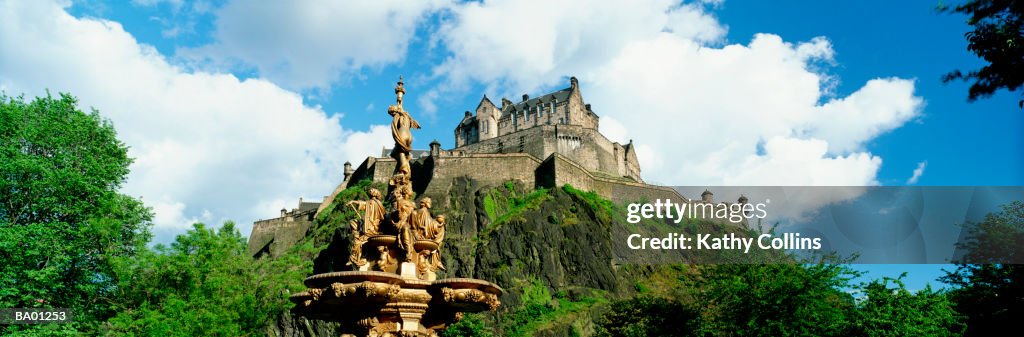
[312,44]
[208,146]
[701,111]
[524,45]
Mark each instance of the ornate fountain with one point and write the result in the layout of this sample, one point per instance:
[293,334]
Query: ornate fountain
[393,288]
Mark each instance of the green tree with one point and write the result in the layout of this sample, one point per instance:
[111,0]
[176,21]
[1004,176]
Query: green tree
[203,284]
[989,293]
[63,224]
[895,311]
[470,326]
[647,316]
[772,300]
[998,38]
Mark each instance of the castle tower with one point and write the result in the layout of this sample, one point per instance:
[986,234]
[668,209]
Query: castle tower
[348,170]
[487,115]
[435,148]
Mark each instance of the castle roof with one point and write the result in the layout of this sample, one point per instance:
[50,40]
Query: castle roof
[560,95]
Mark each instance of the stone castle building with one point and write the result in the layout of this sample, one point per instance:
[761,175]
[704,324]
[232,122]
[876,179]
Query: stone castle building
[548,141]
[558,122]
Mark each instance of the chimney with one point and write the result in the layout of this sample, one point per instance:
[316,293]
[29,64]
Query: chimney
[526,97]
[573,82]
[348,170]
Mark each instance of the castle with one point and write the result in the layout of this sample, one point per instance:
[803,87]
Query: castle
[558,122]
[547,141]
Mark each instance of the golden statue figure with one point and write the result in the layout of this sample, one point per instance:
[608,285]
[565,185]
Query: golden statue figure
[403,222]
[401,216]
[422,219]
[435,232]
[401,125]
[368,224]
[373,212]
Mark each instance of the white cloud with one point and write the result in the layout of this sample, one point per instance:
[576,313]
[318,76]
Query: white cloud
[208,146]
[312,44]
[702,112]
[918,172]
[520,46]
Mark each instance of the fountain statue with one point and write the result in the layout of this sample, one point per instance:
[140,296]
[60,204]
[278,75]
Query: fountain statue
[393,288]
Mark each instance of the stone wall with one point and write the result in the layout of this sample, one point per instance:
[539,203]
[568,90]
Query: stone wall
[535,141]
[586,146]
[273,236]
[488,169]
[558,170]
[433,176]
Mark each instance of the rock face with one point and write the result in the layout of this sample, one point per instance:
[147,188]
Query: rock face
[512,235]
[554,237]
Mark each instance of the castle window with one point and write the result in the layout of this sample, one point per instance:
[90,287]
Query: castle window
[522,143]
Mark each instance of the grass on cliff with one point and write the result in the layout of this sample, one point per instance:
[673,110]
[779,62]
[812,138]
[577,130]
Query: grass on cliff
[539,309]
[505,204]
[336,215]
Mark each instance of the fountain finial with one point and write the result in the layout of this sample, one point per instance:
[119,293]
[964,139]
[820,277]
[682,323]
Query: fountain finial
[400,90]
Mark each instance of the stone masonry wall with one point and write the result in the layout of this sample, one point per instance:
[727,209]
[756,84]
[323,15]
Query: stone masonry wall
[489,169]
[273,236]
[558,170]
[584,145]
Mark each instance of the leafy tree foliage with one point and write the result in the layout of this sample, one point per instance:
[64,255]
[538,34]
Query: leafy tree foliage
[773,300]
[998,38]
[204,284]
[470,326]
[647,316]
[991,295]
[895,311]
[63,224]
[782,300]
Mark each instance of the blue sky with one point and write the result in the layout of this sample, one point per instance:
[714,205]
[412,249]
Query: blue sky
[234,110]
